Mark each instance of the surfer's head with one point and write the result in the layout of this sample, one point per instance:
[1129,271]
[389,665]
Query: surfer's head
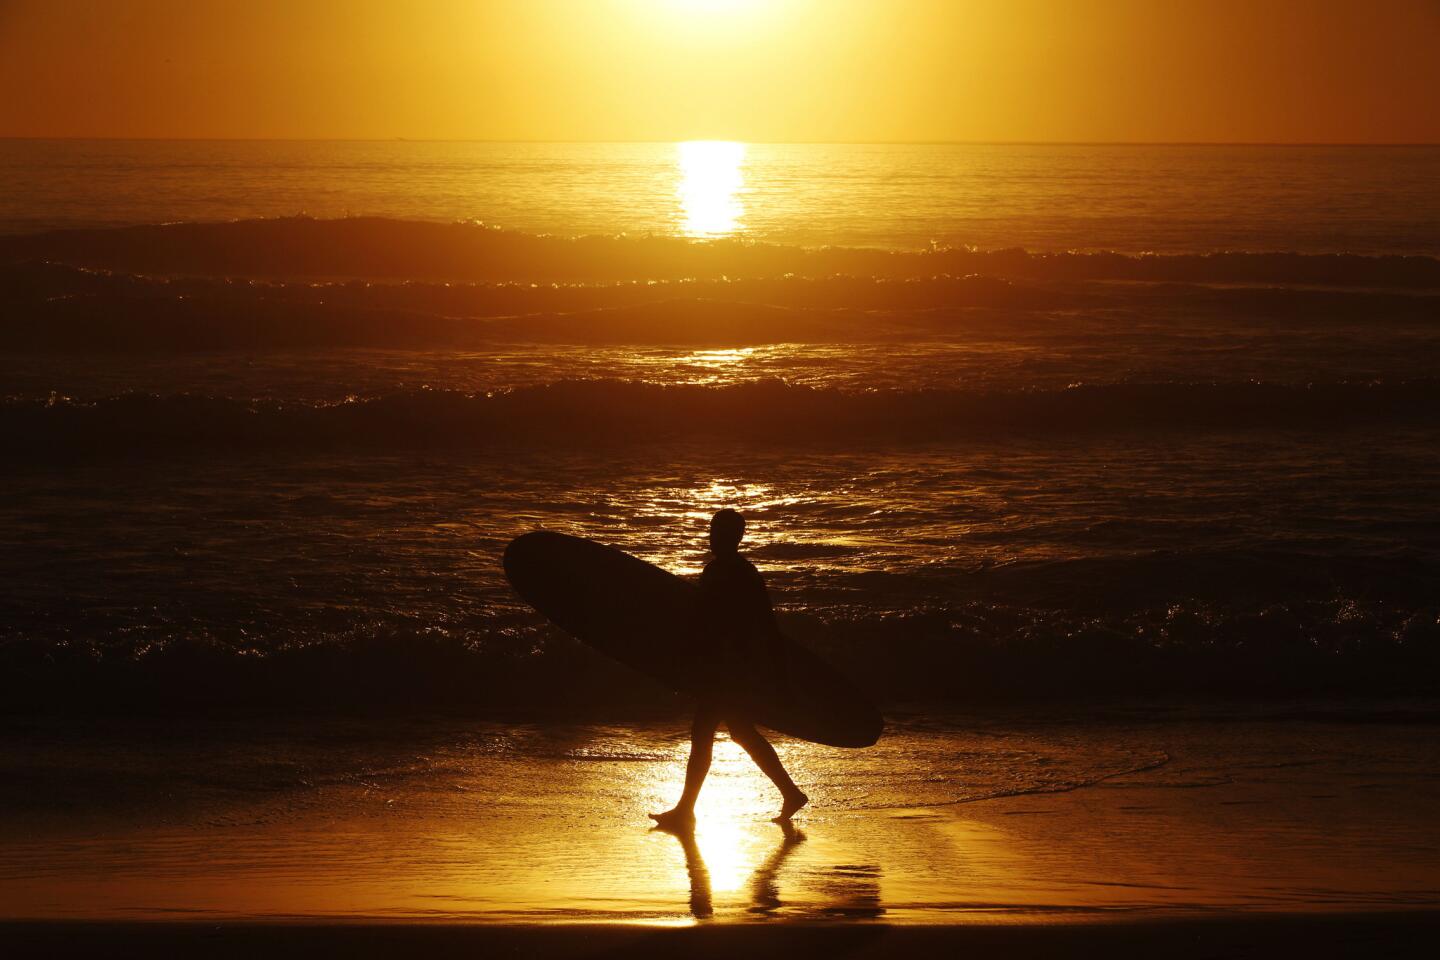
[726,529]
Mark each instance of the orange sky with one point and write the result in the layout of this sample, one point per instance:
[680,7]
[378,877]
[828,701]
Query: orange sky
[1088,70]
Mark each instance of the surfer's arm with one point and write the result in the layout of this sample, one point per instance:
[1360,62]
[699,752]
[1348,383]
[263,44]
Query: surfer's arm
[774,640]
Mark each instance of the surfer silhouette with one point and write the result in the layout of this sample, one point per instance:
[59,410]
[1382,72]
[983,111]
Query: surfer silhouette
[745,650]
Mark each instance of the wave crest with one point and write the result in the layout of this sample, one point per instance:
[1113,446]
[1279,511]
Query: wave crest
[406,249]
[628,412]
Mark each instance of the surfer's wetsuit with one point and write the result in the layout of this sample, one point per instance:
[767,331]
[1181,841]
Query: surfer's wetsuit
[739,625]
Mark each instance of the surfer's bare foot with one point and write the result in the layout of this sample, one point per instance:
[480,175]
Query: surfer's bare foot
[792,803]
[674,820]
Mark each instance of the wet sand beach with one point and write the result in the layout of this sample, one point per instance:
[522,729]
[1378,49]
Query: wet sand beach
[1218,814]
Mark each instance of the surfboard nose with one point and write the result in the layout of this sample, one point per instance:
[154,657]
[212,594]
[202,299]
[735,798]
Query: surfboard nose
[539,563]
[519,551]
[524,558]
[530,548]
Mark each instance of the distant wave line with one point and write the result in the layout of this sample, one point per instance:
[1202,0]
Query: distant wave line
[302,247]
[629,412]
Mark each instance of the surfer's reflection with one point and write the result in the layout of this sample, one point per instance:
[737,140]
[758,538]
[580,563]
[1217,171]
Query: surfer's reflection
[849,891]
[701,903]
[764,890]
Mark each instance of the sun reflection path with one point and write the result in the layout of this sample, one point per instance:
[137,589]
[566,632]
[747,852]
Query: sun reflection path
[734,794]
[691,507]
[712,178]
[731,853]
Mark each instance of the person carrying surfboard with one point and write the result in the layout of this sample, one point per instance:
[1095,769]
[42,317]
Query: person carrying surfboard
[738,626]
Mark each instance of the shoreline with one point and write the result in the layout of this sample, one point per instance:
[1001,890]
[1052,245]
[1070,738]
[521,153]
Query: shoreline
[1375,934]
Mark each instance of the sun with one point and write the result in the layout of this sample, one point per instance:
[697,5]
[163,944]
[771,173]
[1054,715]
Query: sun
[710,25]
[713,6]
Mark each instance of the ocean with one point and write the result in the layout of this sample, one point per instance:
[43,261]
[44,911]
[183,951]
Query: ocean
[1008,422]
[1045,197]
[1111,473]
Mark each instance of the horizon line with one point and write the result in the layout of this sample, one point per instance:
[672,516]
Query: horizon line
[976,142]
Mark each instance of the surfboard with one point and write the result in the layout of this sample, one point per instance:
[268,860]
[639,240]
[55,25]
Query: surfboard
[645,617]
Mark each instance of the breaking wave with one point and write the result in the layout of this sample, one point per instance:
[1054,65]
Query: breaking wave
[301,247]
[1291,632]
[1219,616]
[588,412]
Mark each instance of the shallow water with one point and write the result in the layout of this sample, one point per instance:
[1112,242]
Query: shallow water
[1055,566]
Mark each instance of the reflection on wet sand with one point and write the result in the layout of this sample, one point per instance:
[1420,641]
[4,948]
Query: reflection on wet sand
[518,824]
[764,888]
[702,901]
[846,891]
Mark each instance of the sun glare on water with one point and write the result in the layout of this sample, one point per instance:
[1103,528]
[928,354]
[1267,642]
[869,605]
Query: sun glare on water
[710,185]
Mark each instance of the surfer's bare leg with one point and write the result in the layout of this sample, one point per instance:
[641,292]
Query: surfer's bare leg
[744,733]
[702,747]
